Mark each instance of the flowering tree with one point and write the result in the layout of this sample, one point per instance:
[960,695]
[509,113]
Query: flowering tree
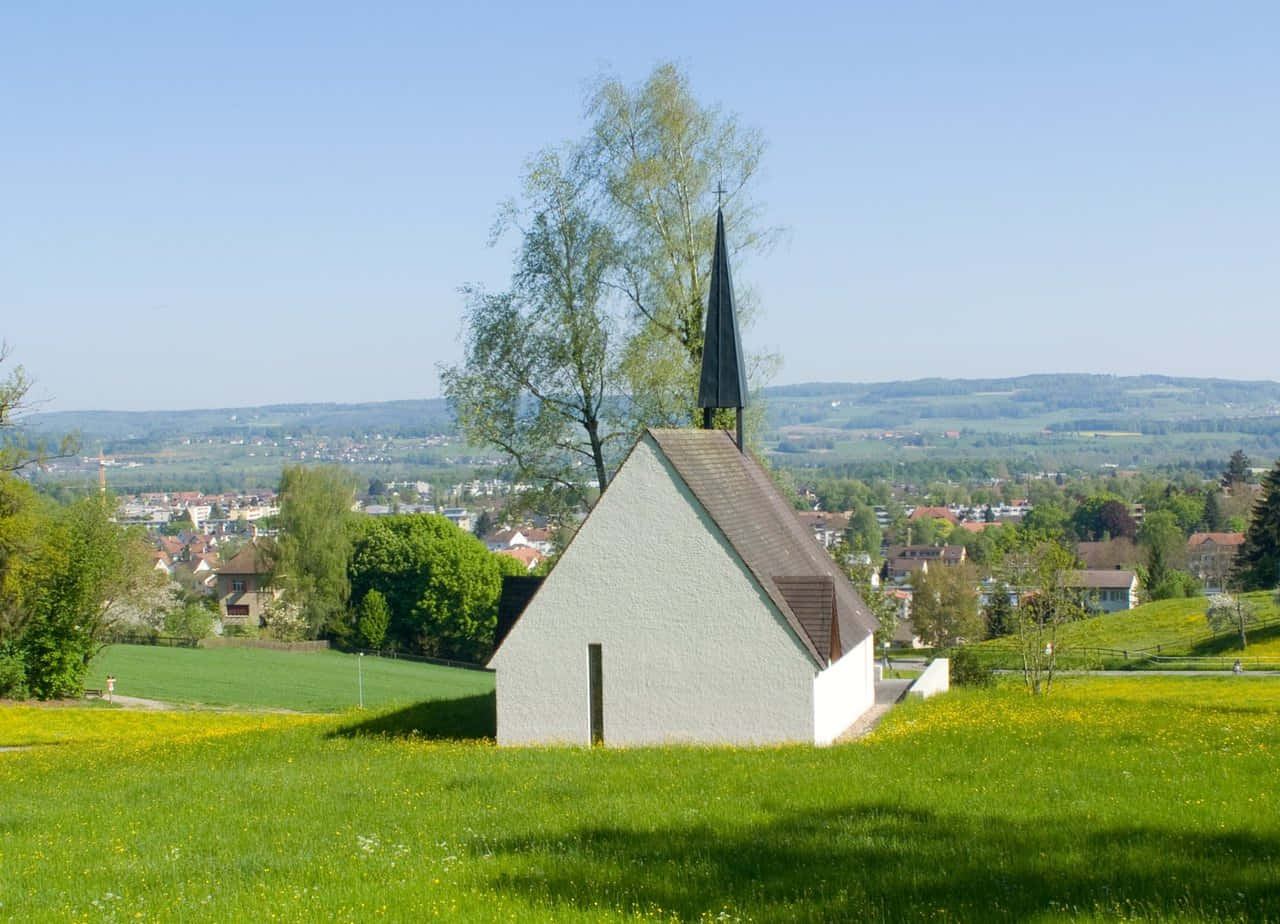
[1231,612]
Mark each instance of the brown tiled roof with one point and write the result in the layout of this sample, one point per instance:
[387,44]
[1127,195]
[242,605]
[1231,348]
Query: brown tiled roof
[1217,538]
[523,554]
[1100,578]
[949,554]
[822,519]
[249,560]
[936,513]
[772,542]
[1097,555]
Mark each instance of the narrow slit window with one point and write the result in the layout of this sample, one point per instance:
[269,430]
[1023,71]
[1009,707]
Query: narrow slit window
[595,680]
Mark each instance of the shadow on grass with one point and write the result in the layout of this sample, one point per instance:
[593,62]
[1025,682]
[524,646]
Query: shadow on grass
[467,717]
[874,861]
[1229,645]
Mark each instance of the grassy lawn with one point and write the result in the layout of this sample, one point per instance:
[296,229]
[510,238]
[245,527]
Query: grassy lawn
[250,677]
[1129,798]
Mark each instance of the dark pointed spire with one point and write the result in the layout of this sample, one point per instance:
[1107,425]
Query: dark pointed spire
[724,376]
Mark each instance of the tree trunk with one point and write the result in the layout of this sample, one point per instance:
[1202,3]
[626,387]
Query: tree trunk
[597,451]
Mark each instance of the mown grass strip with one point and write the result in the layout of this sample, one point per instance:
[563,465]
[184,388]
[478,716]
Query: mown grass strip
[305,682]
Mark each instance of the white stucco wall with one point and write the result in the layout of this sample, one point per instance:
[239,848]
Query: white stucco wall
[935,679]
[692,649]
[843,692]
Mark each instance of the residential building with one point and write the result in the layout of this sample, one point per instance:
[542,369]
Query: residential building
[243,589]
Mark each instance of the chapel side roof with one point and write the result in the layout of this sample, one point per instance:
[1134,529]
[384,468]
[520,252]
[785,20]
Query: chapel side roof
[813,600]
[762,528]
[517,591]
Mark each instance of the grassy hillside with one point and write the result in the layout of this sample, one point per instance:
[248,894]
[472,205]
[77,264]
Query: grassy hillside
[254,678]
[1131,798]
[1165,627]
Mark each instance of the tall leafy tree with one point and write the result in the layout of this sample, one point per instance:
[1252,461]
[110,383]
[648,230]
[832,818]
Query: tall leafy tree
[1257,566]
[863,532]
[662,156]
[944,605]
[600,333]
[314,549]
[539,377]
[69,590]
[1165,548]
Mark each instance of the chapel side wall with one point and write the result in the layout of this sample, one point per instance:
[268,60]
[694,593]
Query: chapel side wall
[844,691]
[692,649]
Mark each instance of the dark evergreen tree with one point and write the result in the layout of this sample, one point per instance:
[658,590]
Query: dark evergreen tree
[1237,469]
[1214,519]
[999,612]
[1257,566]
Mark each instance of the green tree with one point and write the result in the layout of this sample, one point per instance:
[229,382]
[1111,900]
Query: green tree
[485,524]
[188,620]
[863,532]
[1047,519]
[1237,470]
[1103,515]
[882,606]
[1214,519]
[314,549]
[1257,567]
[999,611]
[539,379]
[1040,570]
[661,156]
[375,617]
[69,594]
[944,605]
[441,584]
[1165,547]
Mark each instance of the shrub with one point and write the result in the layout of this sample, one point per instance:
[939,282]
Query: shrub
[13,676]
[968,671]
[191,621]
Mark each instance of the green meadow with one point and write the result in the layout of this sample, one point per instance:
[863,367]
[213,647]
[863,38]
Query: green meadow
[325,681]
[1131,798]
[1168,628]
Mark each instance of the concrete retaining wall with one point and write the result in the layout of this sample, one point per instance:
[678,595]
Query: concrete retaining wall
[935,679]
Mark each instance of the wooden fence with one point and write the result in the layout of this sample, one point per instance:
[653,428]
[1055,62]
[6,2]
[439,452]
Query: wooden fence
[268,643]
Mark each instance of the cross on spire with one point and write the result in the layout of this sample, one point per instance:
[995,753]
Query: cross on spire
[720,194]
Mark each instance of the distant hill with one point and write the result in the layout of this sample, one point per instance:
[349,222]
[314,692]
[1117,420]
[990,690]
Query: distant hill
[1032,422]
[393,418]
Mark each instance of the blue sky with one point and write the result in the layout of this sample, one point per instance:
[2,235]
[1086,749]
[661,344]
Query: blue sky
[255,203]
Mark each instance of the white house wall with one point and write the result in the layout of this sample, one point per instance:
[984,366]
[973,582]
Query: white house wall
[692,650]
[843,692]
